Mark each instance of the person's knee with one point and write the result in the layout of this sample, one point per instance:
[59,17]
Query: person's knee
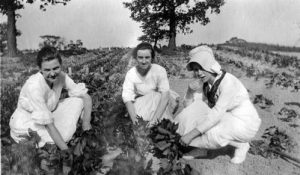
[168,96]
[217,137]
[206,141]
[76,103]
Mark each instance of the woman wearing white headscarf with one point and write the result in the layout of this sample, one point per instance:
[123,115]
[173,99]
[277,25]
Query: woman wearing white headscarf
[222,113]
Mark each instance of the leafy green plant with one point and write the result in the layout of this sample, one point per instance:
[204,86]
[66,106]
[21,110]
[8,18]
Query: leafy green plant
[250,71]
[289,114]
[273,140]
[21,158]
[135,145]
[86,148]
[168,148]
[111,128]
[9,98]
[262,101]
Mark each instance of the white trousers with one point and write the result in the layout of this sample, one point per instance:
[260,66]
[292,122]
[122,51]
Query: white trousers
[65,117]
[229,128]
[146,106]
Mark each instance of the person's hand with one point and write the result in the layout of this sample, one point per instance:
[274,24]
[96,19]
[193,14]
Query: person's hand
[86,126]
[194,86]
[67,156]
[134,120]
[164,163]
[186,139]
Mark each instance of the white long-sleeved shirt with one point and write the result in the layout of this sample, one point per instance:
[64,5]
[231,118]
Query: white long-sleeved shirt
[232,97]
[136,85]
[37,100]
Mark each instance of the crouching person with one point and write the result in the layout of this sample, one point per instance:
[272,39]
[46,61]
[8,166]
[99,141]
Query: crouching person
[40,109]
[146,92]
[222,113]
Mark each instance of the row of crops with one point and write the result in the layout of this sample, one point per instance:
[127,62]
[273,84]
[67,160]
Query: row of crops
[106,71]
[281,61]
[282,71]
[113,146]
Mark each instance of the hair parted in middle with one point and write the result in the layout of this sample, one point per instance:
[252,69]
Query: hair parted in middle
[144,46]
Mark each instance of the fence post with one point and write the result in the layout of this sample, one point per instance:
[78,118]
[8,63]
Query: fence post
[87,70]
[70,70]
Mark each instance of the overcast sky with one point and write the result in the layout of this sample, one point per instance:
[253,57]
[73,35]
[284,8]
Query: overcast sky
[100,23]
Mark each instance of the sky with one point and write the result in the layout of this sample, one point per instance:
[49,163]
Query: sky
[105,23]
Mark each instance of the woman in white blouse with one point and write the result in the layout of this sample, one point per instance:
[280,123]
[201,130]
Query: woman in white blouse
[220,113]
[40,109]
[146,92]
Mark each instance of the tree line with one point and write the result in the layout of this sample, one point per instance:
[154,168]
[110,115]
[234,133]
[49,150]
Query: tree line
[9,8]
[160,19]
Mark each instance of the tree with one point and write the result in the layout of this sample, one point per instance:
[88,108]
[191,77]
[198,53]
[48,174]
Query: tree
[79,43]
[54,41]
[152,33]
[3,36]
[9,8]
[171,15]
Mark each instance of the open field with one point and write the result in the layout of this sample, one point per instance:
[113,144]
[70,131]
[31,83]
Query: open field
[275,83]
[296,54]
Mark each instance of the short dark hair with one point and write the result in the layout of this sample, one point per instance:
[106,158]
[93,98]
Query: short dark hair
[143,46]
[193,64]
[47,53]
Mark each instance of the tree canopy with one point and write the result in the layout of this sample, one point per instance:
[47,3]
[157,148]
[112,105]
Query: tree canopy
[9,7]
[171,16]
[52,40]
[6,5]
[152,33]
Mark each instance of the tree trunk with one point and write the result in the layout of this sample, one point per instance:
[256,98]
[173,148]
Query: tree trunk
[11,33]
[155,42]
[172,33]
[172,42]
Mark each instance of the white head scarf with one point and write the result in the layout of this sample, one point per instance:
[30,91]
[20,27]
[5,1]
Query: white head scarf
[204,56]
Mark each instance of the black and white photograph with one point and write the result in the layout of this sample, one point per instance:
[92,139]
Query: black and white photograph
[150,87]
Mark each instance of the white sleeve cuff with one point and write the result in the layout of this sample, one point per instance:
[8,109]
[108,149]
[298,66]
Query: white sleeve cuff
[78,90]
